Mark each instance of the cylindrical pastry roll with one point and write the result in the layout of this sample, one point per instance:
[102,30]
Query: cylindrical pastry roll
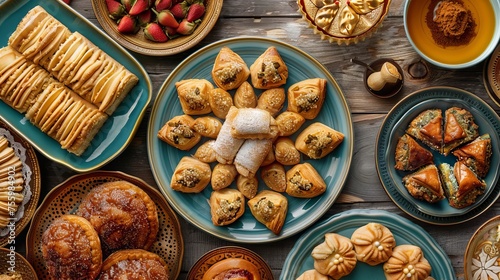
[251,155]
[191,175]
[232,268]
[226,146]
[253,123]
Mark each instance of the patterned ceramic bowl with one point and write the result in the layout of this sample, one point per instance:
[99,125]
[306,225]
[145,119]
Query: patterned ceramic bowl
[482,256]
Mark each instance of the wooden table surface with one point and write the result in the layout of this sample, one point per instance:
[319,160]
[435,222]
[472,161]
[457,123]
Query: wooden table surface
[281,20]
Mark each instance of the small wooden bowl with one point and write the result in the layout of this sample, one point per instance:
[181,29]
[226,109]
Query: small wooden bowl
[139,44]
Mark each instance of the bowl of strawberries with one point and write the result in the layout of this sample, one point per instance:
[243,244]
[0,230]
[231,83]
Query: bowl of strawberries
[157,27]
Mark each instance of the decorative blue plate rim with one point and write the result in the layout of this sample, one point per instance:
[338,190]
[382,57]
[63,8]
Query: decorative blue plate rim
[121,126]
[393,127]
[194,208]
[299,258]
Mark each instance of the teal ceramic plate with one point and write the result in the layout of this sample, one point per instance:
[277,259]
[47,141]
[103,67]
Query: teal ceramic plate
[194,207]
[118,130]
[405,232]
[394,127]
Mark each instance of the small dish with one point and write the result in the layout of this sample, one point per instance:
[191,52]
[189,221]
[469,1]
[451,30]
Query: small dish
[329,22]
[11,261]
[483,251]
[486,15]
[491,76]
[139,44]
[216,255]
[405,232]
[32,181]
[118,131]
[389,89]
[65,198]
[394,126]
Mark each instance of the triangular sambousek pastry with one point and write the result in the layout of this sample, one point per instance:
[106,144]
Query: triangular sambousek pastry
[425,184]
[410,155]
[306,97]
[459,128]
[269,208]
[428,128]
[461,185]
[476,154]
[269,70]
[229,70]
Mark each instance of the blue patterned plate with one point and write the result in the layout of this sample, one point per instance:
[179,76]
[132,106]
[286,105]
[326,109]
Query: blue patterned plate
[301,212]
[119,129]
[405,232]
[394,126]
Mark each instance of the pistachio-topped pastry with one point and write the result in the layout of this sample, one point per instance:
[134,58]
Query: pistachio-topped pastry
[191,175]
[306,97]
[425,184]
[193,96]
[459,128]
[179,132]
[302,180]
[269,208]
[229,70]
[269,70]
[317,140]
[476,154]
[226,206]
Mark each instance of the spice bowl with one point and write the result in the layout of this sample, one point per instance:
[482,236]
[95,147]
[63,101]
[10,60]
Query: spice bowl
[431,25]
[383,78]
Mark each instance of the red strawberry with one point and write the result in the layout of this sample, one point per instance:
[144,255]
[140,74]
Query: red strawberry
[115,9]
[196,11]
[166,18]
[139,7]
[154,32]
[67,1]
[171,32]
[180,10]
[145,17]
[127,25]
[127,4]
[161,5]
[186,27]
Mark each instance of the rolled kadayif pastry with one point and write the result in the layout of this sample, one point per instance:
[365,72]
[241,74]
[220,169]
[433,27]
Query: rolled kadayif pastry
[251,155]
[253,123]
[225,145]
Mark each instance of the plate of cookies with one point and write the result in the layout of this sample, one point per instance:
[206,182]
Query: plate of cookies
[79,94]
[250,139]
[437,155]
[88,226]
[20,184]
[370,244]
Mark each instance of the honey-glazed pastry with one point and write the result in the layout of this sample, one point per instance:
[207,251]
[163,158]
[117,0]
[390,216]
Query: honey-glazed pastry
[232,269]
[302,180]
[229,70]
[220,102]
[178,132]
[461,185]
[207,126]
[223,175]
[476,154]
[459,128]
[272,100]
[226,146]
[285,151]
[253,123]
[407,262]
[425,184]
[270,158]
[317,140]
[226,206]
[269,70]
[244,96]
[118,211]
[289,122]
[191,175]
[428,128]
[373,243]
[274,176]
[71,249]
[134,264]
[312,274]
[410,155]
[205,152]
[334,257]
[251,155]
[193,95]
[306,97]
[248,186]
[270,209]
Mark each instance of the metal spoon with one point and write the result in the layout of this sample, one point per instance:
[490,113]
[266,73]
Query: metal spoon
[359,62]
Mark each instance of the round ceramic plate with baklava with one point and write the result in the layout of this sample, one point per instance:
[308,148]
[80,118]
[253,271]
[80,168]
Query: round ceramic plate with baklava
[333,168]
[65,199]
[20,173]
[395,125]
